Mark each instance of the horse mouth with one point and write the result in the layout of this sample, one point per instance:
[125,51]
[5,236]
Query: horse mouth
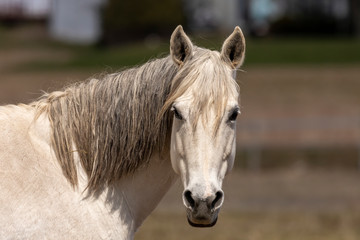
[202,217]
[202,225]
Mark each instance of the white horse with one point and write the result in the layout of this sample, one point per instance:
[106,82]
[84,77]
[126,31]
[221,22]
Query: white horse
[93,161]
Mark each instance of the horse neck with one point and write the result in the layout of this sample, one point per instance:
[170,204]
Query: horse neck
[123,205]
[131,195]
[134,197]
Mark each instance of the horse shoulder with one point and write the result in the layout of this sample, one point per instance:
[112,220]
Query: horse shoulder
[36,201]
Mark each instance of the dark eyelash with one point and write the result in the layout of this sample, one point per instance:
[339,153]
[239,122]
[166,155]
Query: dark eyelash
[176,113]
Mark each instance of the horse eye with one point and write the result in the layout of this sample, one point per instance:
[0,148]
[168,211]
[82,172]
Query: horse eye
[233,116]
[176,113]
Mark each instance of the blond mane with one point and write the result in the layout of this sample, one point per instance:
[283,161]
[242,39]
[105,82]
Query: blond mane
[117,122]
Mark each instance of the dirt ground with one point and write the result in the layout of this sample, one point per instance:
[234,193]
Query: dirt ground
[293,189]
[300,106]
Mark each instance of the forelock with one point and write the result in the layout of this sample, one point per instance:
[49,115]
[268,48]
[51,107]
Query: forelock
[209,82]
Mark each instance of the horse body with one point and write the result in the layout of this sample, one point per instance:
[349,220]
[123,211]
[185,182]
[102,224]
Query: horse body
[93,161]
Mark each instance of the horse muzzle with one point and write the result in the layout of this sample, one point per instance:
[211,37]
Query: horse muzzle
[203,212]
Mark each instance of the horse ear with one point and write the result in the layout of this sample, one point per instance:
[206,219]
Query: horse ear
[233,49]
[180,46]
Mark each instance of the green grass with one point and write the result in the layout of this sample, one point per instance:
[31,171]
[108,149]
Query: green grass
[264,52]
[98,58]
[303,51]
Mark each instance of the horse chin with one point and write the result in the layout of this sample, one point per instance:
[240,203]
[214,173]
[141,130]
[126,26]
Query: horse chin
[202,225]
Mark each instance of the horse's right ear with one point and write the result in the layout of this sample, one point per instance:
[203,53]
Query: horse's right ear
[233,49]
[181,47]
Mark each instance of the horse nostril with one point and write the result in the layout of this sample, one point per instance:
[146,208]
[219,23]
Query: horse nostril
[217,202]
[188,200]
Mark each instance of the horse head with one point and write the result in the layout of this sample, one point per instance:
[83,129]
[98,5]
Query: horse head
[204,102]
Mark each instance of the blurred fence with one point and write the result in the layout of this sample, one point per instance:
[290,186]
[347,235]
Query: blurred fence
[325,133]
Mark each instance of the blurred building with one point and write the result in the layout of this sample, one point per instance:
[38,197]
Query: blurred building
[76,21]
[24,9]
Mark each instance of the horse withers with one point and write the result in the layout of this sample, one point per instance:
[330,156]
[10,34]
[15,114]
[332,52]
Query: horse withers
[92,161]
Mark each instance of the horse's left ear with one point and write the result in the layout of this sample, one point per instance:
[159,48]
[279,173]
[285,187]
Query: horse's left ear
[180,46]
[233,49]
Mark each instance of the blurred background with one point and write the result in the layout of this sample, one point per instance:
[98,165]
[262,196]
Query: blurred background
[297,172]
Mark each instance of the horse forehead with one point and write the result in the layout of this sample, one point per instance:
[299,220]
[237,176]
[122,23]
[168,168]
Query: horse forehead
[212,66]
[208,66]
